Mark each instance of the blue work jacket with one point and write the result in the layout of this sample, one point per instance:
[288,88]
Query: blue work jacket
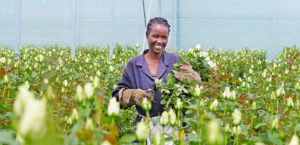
[136,75]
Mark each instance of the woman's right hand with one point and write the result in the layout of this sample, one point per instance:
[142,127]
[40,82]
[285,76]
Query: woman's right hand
[129,97]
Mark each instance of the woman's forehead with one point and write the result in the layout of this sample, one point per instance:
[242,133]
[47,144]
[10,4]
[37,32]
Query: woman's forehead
[159,27]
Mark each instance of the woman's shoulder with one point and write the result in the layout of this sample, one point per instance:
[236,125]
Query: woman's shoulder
[173,57]
[136,60]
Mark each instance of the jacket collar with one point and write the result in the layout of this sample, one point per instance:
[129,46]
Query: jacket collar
[162,66]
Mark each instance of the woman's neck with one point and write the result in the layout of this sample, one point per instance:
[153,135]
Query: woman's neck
[153,56]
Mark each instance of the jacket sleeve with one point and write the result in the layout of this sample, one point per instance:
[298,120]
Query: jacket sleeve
[125,81]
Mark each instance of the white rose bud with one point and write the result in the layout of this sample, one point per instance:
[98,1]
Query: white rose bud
[157,139]
[164,119]
[275,123]
[79,94]
[50,93]
[297,86]
[142,131]
[280,91]
[6,79]
[198,46]
[96,82]
[65,83]
[273,95]
[264,73]
[259,143]
[269,79]
[178,104]
[89,90]
[89,124]
[172,117]
[227,128]
[146,104]
[236,116]
[294,140]
[253,105]
[286,71]
[214,134]
[250,71]
[106,143]
[74,114]
[202,103]
[226,93]
[22,96]
[290,102]
[236,130]
[214,105]
[69,120]
[212,64]
[232,95]
[46,81]
[113,107]
[3,60]
[198,91]
[33,119]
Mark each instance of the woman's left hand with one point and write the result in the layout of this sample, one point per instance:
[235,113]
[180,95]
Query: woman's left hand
[187,72]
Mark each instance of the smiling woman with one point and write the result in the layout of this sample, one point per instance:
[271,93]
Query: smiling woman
[140,72]
[157,34]
[137,84]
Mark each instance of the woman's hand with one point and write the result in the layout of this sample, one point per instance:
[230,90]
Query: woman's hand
[129,97]
[187,72]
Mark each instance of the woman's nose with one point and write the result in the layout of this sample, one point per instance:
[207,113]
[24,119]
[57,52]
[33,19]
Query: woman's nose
[159,40]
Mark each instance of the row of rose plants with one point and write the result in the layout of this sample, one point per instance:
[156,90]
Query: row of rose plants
[51,97]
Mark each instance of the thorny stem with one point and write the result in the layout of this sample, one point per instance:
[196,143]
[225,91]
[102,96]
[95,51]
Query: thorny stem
[273,137]
[173,131]
[291,121]
[225,108]
[225,139]
[277,106]
[163,135]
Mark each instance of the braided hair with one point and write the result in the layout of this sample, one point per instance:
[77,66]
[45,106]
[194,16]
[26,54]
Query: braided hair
[158,20]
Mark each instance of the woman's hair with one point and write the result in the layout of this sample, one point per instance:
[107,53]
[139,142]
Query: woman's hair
[158,20]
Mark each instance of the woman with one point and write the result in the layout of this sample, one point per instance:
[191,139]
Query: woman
[140,72]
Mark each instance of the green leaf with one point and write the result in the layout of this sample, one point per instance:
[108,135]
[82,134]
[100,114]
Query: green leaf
[188,112]
[128,138]
[7,137]
[192,137]
[260,125]
[72,138]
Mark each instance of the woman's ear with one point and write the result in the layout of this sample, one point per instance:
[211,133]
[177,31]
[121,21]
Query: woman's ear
[147,33]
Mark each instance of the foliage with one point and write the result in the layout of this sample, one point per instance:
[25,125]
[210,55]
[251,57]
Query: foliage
[266,93]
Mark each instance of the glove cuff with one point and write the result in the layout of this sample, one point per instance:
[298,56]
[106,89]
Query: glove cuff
[121,94]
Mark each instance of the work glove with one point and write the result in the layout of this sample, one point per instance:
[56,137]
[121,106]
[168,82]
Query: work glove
[129,97]
[186,72]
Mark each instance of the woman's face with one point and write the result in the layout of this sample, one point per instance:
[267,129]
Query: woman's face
[157,37]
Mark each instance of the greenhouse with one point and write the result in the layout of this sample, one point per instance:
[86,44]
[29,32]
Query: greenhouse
[149,72]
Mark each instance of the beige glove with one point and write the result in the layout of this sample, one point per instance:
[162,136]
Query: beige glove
[186,71]
[129,97]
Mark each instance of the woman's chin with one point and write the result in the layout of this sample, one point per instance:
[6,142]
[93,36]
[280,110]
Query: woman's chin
[158,50]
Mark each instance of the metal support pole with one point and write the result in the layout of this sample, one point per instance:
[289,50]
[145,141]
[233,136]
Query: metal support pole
[75,26]
[18,18]
[175,24]
[139,23]
[274,25]
[145,21]
[148,16]
[159,8]
[112,19]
